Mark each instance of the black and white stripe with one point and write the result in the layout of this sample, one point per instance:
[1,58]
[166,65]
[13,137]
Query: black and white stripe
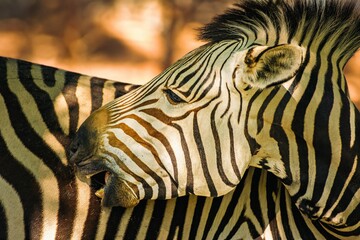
[267,91]
[41,108]
[40,197]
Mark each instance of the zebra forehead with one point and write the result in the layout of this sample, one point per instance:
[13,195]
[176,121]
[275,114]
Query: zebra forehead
[200,67]
[331,17]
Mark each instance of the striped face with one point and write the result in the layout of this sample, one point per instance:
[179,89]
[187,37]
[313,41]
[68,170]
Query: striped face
[190,130]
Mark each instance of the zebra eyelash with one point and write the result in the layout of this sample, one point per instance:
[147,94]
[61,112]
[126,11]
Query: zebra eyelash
[172,97]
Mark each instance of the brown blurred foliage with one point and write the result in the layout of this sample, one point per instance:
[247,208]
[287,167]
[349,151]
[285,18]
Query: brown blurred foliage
[126,40]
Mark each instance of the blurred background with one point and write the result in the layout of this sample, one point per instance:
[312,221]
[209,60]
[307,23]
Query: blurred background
[125,40]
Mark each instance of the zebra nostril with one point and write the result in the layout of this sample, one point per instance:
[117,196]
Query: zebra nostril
[73,149]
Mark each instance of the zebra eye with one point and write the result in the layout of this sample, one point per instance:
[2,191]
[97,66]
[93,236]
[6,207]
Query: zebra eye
[172,97]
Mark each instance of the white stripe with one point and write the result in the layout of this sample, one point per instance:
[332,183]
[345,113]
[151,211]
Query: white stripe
[84,98]
[190,212]
[82,208]
[108,92]
[103,218]
[204,217]
[125,219]
[146,220]
[13,210]
[165,225]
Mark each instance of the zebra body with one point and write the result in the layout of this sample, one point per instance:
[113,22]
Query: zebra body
[40,198]
[267,91]
[41,108]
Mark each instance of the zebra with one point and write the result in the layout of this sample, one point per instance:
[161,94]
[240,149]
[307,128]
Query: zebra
[266,91]
[41,108]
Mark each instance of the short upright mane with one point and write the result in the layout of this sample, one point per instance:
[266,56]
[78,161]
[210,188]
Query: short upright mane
[337,21]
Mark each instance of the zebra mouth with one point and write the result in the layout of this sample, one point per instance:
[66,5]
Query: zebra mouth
[99,182]
[112,190]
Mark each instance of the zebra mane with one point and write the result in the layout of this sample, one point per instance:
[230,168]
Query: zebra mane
[337,21]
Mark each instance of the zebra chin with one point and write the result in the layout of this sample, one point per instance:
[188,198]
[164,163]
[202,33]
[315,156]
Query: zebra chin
[111,189]
[118,193]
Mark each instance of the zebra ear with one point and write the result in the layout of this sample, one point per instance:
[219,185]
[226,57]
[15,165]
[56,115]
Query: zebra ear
[264,66]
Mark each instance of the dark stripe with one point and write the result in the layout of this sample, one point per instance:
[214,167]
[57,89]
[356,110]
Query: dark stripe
[198,214]
[241,220]
[264,105]
[113,223]
[203,159]
[252,228]
[158,114]
[291,213]
[178,220]
[3,223]
[228,100]
[303,229]
[69,92]
[123,88]
[255,201]
[321,142]
[185,148]
[135,221]
[218,151]
[285,214]
[48,74]
[279,134]
[125,108]
[232,150]
[92,218]
[253,144]
[157,218]
[272,186]
[215,206]
[352,220]
[349,193]
[96,87]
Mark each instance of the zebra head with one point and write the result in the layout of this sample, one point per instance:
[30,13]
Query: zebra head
[182,133]
[267,91]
